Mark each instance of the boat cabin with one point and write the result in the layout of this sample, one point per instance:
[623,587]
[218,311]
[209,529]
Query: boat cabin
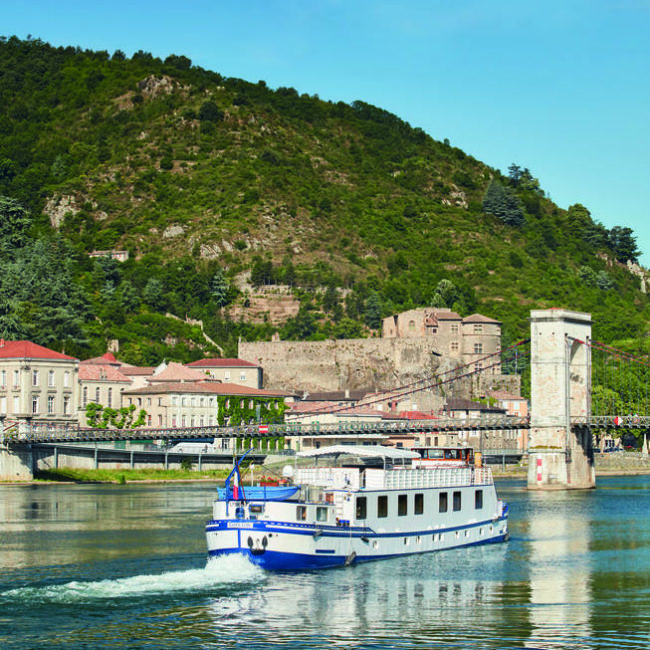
[443,456]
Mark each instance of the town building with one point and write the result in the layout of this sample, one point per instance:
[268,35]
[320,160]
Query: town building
[37,384]
[468,339]
[101,382]
[236,371]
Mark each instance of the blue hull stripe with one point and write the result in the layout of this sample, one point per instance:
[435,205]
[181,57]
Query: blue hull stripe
[275,561]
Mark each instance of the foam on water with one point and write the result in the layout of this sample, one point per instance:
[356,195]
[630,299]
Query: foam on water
[218,572]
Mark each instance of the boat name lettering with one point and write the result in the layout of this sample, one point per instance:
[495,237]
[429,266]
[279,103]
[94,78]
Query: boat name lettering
[240,524]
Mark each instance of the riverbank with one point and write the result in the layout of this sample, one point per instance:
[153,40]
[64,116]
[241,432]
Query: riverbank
[613,464]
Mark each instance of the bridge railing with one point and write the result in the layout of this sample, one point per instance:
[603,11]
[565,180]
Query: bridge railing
[613,421]
[50,432]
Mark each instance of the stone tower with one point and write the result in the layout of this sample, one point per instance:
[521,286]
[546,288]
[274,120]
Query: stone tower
[559,457]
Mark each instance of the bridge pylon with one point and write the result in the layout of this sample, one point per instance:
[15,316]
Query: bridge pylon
[559,457]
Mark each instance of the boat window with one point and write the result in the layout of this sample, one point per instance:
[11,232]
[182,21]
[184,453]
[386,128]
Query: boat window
[257,508]
[362,509]
[435,453]
[418,507]
[442,502]
[457,502]
[478,499]
[321,513]
[402,504]
[382,506]
[301,513]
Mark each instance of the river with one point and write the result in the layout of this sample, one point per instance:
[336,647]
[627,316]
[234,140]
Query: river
[124,566]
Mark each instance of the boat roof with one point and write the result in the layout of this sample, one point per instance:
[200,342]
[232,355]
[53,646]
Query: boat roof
[367,451]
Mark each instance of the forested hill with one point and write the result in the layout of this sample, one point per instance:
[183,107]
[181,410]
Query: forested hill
[203,179]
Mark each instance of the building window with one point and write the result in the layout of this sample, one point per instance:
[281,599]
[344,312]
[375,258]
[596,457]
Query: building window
[442,502]
[50,404]
[226,375]
[3,404]
[85,396]
[454,328]
[418,507]
[97,395]
[182,420]
[50,378]
[402,504]
[109,400]
[16,404]
[201,421]
[183,401]
[454,346]
[3,378]
[66,405]
[34,377]
[159,420]
[242,376]
[148,401]
[173,420]
[148,420]
[35,405]
[16,378]
[478,328]
[362,508]
[382,506]
[160,401]
[457,501]
[66,379]
[478,348]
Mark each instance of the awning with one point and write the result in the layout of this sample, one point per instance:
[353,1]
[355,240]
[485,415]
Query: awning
[367,451]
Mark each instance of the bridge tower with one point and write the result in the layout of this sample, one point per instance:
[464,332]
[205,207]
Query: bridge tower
[559,457]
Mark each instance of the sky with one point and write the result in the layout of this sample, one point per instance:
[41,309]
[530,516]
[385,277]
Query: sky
[558,86]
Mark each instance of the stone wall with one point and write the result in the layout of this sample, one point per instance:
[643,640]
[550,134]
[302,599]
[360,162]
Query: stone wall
[351,364]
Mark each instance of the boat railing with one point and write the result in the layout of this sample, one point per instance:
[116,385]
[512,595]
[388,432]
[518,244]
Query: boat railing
[329,477]
[402,479]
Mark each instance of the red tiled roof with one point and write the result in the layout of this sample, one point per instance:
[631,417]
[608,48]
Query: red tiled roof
[447,315]
[137,371]
[203,387]
[417,415]
[107,372]
[175,372]
[220,363]
[29,350]
[479,318]
[327,407]
[105,359]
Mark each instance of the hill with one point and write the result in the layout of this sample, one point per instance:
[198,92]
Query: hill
[218,186]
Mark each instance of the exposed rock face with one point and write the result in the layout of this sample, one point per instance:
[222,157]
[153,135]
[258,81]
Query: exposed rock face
[153,85]
[639,271]
[57,207]
[173,231]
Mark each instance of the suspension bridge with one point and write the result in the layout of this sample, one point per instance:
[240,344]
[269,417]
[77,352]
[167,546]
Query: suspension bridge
[579,387]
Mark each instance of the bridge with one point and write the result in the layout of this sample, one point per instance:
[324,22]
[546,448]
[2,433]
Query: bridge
[577,386]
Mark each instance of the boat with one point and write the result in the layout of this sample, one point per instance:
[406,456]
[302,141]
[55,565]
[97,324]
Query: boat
[357,504]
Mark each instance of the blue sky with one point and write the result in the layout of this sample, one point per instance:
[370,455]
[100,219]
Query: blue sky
[559,86]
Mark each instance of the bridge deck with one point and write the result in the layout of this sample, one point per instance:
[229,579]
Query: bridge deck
[38,432]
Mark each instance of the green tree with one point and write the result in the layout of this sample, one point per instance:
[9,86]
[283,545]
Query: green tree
[15,222]
[622,242]
[373,311]
[219,289]
[209,112]
[503,204]
[154,294]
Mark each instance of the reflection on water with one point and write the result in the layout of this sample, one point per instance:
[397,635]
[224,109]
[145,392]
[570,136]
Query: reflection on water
[559,573]
[124,567]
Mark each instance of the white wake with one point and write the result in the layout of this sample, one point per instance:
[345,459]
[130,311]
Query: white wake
[217,573]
